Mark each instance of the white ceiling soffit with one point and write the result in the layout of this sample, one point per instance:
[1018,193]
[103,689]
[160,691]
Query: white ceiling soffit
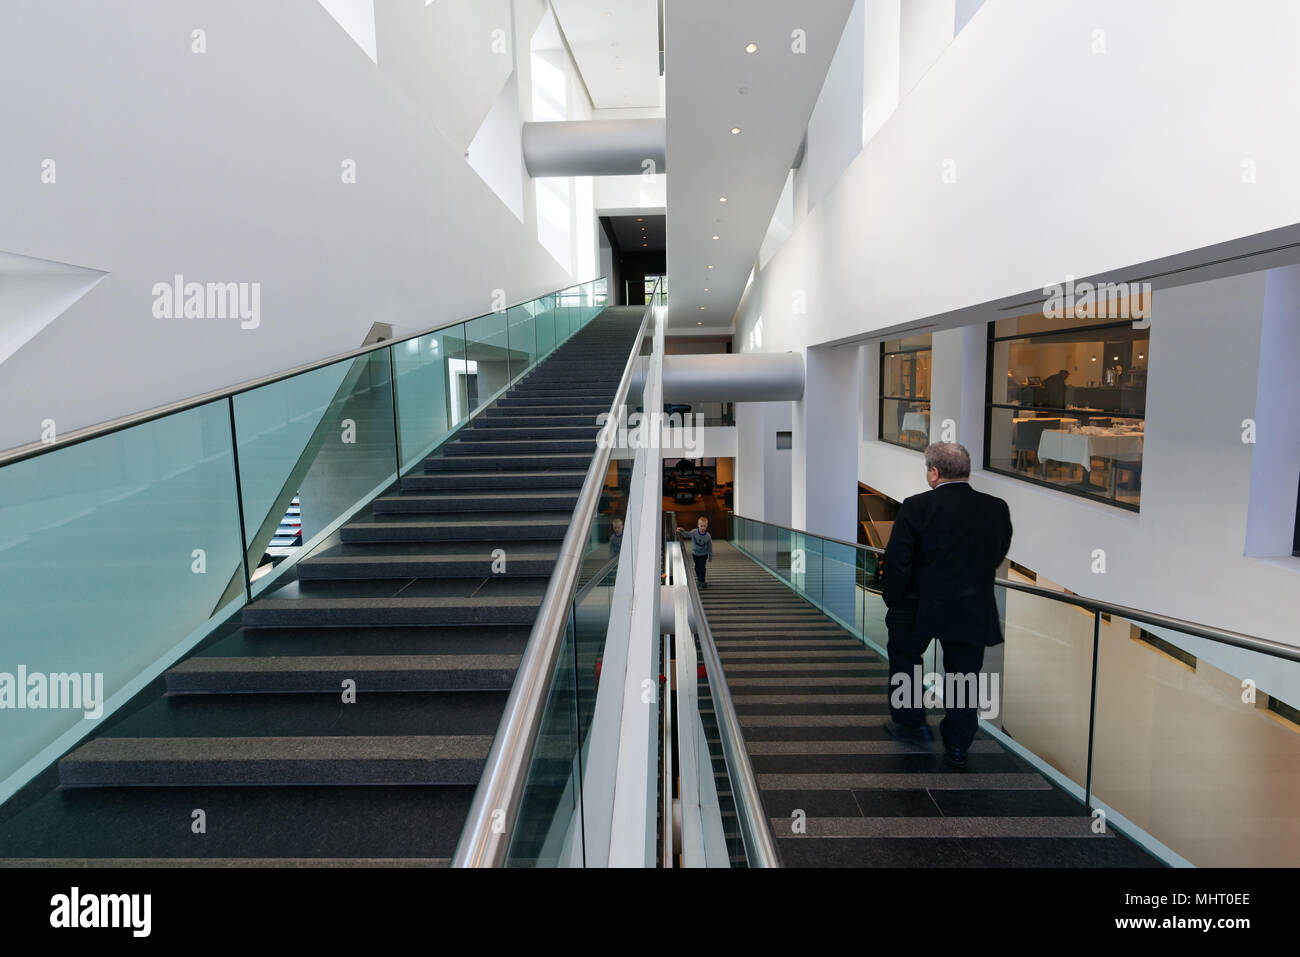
[35,292]
[616,46]
[713,85]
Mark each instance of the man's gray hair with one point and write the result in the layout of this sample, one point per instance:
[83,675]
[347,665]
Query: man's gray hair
[952,460]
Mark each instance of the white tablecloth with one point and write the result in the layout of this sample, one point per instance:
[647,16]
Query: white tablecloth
[1081,447]
[916,422]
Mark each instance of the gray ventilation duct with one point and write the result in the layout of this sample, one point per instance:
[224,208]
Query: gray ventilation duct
[595,147]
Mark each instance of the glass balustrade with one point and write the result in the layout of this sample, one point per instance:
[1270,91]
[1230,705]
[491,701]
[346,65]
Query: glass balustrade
[121,551]
[1183,738]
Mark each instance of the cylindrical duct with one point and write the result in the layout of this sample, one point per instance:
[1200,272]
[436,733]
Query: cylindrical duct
[595,147]
[732,377]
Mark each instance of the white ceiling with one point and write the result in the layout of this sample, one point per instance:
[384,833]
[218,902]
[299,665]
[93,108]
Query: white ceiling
[707,69]
[616,46]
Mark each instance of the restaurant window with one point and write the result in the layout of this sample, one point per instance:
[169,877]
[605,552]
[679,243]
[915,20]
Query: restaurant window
[905,391]
[1067,404]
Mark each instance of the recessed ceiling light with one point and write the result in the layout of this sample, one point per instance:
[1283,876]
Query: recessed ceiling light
[701,307]
[640,219]
[710,267]
[643,245]
[735,131]
[700,323]
[751,48]
[706,288]
[722,199]
[715,237]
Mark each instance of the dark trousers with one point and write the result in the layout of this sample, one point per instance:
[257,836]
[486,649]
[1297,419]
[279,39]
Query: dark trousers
[905,651]
[701,563]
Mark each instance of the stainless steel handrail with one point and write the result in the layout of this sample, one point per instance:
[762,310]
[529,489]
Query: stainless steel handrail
[77,436]
[744,785]
[1223,636]
[485,840]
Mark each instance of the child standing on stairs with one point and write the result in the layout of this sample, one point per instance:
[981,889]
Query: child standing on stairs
[701,547]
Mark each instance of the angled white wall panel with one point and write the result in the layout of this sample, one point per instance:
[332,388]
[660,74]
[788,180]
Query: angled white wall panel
[230,165]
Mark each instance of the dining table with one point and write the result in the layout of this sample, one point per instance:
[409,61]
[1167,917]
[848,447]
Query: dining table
[1079,446]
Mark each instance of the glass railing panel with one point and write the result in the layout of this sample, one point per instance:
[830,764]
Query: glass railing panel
[592,619]
[326,437]
[810,583]
[1197,743]
[113,554]
[487,358]
[840,583]
[431,390]
[544,326]
[1045,666]
[548,829]
[522,337]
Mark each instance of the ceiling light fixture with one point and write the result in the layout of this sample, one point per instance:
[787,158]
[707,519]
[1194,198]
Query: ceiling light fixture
[722,199]
[710,267]
[715,237]
[735,131]
[751,48]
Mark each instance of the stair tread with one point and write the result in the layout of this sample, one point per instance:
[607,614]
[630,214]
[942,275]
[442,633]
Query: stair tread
[312,748]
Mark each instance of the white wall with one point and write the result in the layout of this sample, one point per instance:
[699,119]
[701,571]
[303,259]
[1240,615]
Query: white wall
[927,27]
[892,243]
[1019,103]
[763,473]
[226,166]
[834,129]
[880,64]
[1183,554]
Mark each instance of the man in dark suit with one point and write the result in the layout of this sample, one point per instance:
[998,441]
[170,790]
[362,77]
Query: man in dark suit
[942,558]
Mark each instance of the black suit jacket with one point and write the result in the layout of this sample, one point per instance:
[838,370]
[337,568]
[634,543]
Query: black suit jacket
[942,557]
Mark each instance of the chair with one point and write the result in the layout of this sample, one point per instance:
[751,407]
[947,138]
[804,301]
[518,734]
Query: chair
[1132,467]
[1026,435]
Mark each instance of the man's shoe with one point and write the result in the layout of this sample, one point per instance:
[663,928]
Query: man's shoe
[956,757]
[907,732]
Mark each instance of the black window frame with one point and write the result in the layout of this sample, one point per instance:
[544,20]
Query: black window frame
[1295,541]
[882,398]
[990,405]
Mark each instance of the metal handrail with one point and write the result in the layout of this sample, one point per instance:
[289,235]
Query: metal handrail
[1223,636]
[32,449]
[744,785]
[485,840]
